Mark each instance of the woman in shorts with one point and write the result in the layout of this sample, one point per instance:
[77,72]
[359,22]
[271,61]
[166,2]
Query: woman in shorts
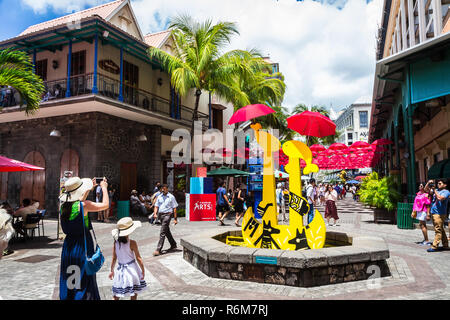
[421,211]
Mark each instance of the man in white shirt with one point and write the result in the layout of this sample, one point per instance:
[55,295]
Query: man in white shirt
[167,205]
[23,212]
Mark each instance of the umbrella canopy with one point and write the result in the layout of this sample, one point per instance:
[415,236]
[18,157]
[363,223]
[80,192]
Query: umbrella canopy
[353,181]
[313,124]
[382,142]
[317,148]
[360,177]
[10,165]
[359,144]
[338,146]
[224,171]
[250,112]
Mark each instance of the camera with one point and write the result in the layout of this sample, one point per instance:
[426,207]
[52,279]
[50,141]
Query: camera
[98,180]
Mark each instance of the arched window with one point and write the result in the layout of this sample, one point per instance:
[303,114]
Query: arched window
[33,182]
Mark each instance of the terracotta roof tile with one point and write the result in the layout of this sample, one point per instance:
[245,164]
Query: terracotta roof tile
[103,11]
[156,39]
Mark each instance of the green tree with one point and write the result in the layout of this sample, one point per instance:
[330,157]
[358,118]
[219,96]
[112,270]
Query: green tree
[198,63]
[16,70]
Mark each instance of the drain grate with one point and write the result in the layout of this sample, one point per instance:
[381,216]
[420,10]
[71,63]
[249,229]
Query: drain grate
[36,258]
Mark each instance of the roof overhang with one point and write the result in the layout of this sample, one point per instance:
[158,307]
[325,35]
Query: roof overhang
[54,38]
[389,75]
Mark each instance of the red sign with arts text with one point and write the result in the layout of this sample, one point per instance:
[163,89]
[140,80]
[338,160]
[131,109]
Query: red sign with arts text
[202,207]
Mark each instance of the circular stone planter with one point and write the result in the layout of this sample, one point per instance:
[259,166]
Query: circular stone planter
[352,258]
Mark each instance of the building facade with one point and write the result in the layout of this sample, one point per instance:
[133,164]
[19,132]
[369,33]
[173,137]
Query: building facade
[354,122]
[411,95]
[113,108]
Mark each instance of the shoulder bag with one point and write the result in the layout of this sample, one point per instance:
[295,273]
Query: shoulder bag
[95,262]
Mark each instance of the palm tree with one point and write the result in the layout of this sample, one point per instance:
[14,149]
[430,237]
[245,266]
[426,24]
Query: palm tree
[16,70]
[198,63]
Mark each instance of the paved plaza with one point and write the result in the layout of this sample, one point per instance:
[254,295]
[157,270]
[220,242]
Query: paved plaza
[32,271]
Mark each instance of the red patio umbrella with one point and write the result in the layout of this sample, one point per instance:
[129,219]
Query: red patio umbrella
[359,144]
[313,124]
[11,165]
[338,146]
[250,112]
[382,142]
[317,148]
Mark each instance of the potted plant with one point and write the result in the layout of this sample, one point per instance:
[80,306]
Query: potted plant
[382,194]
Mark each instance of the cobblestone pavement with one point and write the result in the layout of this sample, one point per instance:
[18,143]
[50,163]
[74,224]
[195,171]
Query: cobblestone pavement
[32,271]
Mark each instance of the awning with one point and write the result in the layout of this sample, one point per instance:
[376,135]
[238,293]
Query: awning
[440,169]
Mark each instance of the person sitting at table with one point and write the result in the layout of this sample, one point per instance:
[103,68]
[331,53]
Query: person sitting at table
[26,209]
[136,204]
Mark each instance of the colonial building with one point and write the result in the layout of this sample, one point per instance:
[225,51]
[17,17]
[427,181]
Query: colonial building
[354,121]
[111,110]
[411,94]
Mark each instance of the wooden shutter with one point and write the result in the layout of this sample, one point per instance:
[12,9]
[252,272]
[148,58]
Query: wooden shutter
[70,162]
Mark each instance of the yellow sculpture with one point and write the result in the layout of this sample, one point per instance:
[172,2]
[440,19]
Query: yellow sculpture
[269,234]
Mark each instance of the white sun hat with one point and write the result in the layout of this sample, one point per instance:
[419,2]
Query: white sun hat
[125,227]
[75,188]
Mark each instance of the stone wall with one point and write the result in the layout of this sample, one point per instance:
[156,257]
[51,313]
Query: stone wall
[101,141]
[354,258]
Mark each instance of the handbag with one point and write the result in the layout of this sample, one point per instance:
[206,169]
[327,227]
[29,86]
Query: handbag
[93,264]
[414,214]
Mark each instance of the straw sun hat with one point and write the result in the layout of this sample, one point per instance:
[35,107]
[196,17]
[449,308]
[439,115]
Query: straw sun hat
[75,188]
[125,227]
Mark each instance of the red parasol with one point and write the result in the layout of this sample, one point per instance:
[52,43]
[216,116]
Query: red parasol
[10,165]
[382,142]
[359,144]
[338,146]
[250,112]
[313,124]
[317,148]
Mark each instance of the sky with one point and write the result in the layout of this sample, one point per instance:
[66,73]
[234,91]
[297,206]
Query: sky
[325,48]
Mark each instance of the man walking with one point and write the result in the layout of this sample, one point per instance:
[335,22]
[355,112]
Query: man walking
[166,205]
[223,203]
[310,196]
[439,211]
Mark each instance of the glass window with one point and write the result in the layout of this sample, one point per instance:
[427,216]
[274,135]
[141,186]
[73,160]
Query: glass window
[78,63]
[363,121]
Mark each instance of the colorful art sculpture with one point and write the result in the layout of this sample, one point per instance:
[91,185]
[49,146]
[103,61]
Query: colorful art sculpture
[269,234]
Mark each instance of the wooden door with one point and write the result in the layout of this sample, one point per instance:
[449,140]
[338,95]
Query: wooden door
[3,186]
[128,179]
[70,162]
[33,182]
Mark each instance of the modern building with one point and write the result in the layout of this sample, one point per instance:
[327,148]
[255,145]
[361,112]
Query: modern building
[110,108]
[354,121]
[411,94]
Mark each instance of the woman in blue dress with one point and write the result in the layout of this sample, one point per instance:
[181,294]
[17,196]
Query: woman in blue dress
[74,283]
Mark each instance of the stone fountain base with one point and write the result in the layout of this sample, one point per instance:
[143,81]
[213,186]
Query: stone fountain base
[351,258]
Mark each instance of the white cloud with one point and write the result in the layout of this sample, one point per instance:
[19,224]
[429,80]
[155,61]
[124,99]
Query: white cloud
[327,55]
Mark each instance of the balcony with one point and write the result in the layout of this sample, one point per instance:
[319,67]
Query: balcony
[107,87]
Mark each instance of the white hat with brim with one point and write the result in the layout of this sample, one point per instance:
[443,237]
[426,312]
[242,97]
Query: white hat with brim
[75,188]
[125,227]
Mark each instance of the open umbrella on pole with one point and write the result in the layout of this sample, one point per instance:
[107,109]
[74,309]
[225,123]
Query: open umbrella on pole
[11,165]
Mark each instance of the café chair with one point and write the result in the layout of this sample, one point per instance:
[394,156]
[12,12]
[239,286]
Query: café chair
[31,223]
[41,221]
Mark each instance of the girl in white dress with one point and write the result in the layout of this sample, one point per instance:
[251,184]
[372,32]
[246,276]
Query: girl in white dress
[128,278]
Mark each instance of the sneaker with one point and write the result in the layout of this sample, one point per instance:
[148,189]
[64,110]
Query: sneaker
[432,250]
[221,223]
[424,243]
